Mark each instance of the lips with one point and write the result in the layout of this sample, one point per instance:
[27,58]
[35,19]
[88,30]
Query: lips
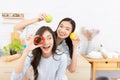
[61,34]
[46,47]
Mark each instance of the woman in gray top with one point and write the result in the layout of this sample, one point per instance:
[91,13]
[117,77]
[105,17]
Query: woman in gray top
[47,63]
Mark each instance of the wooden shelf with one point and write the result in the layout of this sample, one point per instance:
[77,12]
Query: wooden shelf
[13,15]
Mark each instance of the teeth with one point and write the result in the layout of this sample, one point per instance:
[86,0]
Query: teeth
[46,47]
[62,34]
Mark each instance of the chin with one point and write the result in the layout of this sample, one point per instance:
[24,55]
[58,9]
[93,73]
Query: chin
[61,37]
[47,52]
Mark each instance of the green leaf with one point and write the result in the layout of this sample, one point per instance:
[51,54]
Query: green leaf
[6,50]
[15,46]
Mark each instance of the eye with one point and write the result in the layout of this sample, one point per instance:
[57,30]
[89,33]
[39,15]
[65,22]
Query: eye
[61,26]
[68,29]
[49,38]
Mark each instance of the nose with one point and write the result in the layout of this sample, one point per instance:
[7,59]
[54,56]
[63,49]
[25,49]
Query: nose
[45,41]
[62,30]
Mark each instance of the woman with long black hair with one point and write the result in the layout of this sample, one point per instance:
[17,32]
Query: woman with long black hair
[47,62]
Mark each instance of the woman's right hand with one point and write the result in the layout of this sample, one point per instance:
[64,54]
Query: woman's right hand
[42,17]
[30,43]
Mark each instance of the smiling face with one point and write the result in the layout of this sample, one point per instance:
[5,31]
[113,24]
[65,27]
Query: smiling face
[64,29]
[48,44]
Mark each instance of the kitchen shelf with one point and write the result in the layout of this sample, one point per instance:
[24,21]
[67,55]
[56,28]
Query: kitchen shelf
[13,15]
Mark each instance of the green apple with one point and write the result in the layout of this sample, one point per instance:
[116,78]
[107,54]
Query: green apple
[48,19]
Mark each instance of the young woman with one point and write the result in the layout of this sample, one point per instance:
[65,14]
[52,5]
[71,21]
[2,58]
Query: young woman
[47,63]
[64,43]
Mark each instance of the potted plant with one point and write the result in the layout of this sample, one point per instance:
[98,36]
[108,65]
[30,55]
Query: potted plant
[13,48]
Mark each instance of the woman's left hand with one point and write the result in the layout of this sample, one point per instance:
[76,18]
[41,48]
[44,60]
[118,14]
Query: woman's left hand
[76,41]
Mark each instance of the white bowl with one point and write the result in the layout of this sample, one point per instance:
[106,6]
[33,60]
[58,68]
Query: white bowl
[95,54]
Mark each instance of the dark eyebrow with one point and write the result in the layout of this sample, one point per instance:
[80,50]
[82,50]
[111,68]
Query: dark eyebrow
[49,35]
[68,28]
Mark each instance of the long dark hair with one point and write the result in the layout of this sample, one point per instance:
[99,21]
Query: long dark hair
[37,52]
[68,40]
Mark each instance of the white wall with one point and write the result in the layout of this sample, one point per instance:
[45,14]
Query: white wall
[101,14]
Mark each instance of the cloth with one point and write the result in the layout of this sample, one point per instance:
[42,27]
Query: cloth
[52,68]
[64,49]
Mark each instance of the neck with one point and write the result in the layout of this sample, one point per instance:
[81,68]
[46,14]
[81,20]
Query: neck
[46,55]
[59,40]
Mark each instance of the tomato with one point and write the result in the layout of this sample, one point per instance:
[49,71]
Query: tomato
[39,40]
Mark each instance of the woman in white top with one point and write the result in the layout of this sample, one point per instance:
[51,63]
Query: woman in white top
[64,43]
[47,63]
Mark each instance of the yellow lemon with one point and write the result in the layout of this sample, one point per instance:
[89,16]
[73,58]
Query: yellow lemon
[48,19]
[73,36]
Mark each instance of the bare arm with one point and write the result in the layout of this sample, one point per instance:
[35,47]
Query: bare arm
[30,46]
[20,66]
[72,66]
[20,26]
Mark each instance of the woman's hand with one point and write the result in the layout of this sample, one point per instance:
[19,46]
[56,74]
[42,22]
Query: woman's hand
[42,17]
[30,43]
[76,41]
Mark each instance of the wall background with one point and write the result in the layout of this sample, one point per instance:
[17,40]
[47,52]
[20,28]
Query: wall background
[101,14]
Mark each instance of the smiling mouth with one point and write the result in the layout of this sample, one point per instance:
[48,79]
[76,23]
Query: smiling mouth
[61,34]
[46,47]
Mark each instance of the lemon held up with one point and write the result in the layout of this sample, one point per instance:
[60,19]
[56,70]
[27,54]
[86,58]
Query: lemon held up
[73,36]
